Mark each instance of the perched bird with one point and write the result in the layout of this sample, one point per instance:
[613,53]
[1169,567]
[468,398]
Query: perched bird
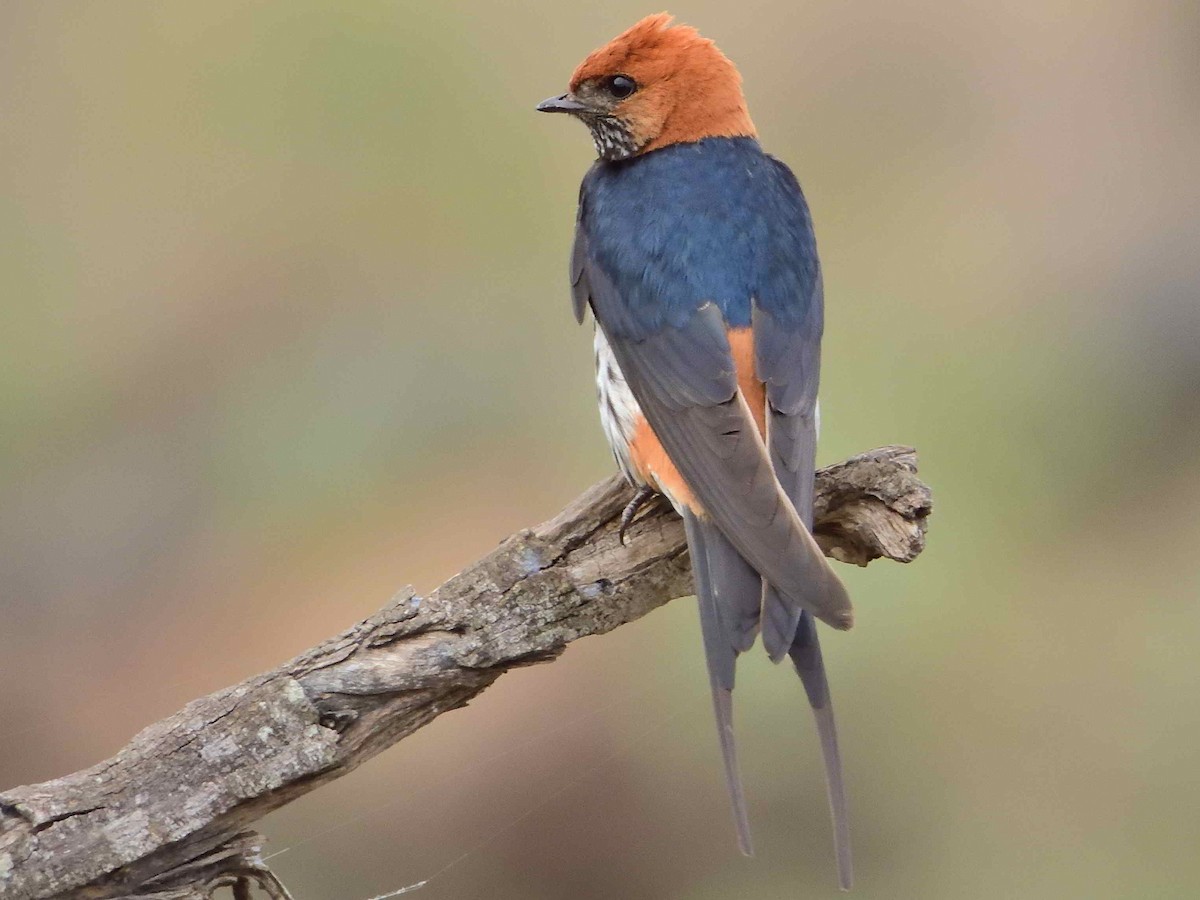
[695,251]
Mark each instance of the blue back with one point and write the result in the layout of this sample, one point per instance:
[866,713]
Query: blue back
[718,220]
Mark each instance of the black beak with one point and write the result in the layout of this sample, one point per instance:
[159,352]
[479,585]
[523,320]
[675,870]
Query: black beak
[563,103]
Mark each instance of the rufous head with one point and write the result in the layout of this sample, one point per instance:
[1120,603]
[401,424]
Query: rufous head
[655,85]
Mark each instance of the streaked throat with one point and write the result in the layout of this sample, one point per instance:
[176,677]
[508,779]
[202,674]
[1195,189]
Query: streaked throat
[612,138]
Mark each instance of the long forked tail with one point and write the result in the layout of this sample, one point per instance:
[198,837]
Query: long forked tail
[729,593]
[806,657]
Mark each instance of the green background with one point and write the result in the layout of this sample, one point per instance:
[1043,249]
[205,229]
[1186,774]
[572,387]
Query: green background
[285,326]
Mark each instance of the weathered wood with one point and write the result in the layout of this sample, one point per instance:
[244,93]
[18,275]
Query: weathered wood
[166,817]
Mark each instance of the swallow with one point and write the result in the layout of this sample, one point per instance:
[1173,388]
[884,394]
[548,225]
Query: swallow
[695,252]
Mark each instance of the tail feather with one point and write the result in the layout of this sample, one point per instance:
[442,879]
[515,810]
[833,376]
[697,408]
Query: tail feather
[789,631]
[736,588]
[806,658]
[717,574]
[780,619]
[792,441]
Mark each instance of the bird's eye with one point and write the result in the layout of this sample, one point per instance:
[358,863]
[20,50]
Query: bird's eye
[620,86]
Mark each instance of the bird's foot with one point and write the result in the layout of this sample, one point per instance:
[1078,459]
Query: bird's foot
[643,496]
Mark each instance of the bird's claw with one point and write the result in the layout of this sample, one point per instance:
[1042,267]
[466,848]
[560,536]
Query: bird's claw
[641,498]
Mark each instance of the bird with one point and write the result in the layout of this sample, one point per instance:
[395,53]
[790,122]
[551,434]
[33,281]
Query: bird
[695,251]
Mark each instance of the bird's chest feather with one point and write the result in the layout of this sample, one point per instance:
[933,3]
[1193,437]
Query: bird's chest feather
[619,410]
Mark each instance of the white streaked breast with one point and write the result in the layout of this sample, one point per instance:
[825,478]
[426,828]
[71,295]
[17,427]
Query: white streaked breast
[619,411]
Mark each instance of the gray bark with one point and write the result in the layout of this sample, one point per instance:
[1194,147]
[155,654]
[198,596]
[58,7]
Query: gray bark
[167,816]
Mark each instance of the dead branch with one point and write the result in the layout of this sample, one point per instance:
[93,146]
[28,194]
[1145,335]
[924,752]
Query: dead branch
[167,816]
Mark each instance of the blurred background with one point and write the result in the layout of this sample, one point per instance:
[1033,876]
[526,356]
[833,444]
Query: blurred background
[285,326]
